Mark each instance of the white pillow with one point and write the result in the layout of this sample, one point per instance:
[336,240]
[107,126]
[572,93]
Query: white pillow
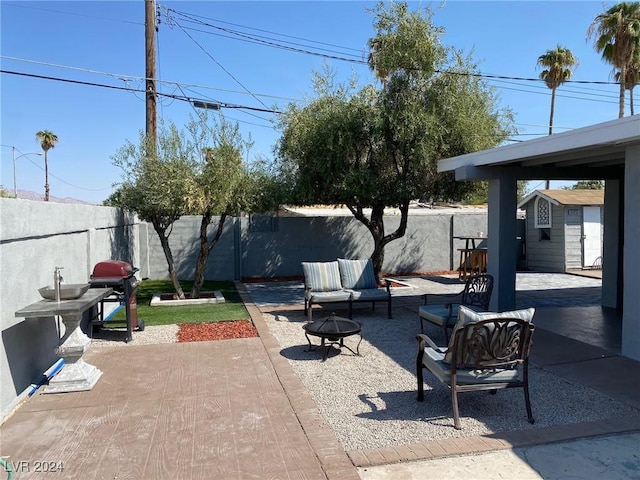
[466,316]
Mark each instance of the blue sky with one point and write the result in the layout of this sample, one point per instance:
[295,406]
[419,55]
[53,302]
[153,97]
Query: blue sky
[102,42]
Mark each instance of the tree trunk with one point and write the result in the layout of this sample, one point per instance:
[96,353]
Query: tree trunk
[623,74]
[205,250]
[375,225]
[164,241]
[46,177]
[631,100]
[553,103]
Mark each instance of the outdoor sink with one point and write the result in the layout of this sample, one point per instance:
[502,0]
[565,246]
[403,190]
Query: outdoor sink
[69,291]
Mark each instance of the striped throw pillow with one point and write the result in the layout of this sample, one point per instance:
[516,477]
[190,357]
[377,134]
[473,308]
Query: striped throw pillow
[321,276]
[357,274]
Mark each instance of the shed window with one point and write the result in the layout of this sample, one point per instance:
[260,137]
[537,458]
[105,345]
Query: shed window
[542,213]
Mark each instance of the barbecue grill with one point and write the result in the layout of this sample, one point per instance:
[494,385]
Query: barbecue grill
[120,276]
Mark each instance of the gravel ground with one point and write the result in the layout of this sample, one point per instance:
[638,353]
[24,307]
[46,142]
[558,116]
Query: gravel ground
[370,400]
[109,337]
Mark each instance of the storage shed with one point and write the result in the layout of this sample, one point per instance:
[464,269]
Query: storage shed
[564,229]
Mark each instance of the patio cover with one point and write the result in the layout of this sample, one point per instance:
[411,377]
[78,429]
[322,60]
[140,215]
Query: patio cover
[607,151]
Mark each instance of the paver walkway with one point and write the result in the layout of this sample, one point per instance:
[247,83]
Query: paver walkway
[235,409]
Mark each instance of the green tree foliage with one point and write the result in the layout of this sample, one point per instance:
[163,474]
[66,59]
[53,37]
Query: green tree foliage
[557,67]
[378,146]
[158,182]
[4,193]
[47,140]
[616,35]
[197,172]
[226,185]
[587,185]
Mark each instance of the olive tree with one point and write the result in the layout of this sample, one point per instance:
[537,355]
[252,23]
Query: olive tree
[197,172]
[378,145]
[226,185]
[157,181]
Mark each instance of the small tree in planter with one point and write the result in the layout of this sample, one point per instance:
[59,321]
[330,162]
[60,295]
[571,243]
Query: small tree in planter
[157,180]
[201,173]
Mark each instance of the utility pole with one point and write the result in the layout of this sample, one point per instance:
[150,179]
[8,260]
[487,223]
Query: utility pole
[150,55]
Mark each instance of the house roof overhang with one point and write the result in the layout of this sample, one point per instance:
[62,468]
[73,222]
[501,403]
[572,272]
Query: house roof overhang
[596,152]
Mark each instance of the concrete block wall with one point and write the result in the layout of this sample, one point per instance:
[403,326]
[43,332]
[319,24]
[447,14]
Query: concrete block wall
[36,237]
[265,246]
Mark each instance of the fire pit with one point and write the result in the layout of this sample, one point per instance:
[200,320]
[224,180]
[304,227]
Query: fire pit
[120,276]
[333,329]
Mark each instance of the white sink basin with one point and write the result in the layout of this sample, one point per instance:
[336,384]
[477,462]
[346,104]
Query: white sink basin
[69,291]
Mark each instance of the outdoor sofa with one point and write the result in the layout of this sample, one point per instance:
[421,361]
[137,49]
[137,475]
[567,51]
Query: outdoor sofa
[343,281]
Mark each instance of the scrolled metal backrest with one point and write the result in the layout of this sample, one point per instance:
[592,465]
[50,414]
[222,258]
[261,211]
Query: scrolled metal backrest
[477,291]
[493,343]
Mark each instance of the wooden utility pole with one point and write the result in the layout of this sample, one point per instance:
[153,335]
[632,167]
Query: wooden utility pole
[150,55]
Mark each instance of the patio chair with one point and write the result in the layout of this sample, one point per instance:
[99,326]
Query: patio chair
[443,309]
[487,351]
[322,285]
[358,278]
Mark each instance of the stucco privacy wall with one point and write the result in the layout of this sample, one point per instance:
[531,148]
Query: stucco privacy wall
[270,246]
[35,237]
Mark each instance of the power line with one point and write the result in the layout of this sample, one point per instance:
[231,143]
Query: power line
[261,30]
[223,69]
[279,45]
[125,78]
[28,5]
[241,36]
[129,89]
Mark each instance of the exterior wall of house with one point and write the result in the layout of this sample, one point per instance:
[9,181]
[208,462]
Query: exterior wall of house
[546,255]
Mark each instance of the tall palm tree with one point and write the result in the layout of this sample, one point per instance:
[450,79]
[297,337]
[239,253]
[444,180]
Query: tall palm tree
[617,37]
[47,140]
[557,64]
[632,77]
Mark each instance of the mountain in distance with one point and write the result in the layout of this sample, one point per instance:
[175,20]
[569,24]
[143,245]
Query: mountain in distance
[29,195]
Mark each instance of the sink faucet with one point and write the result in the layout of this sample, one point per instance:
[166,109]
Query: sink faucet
[57,280]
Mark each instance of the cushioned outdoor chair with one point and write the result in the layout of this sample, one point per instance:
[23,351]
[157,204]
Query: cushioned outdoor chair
[358,278]
[342,281]
[442,310]
[487,351]
[322,285]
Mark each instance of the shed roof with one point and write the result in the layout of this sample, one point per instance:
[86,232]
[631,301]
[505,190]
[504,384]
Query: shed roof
[567,197]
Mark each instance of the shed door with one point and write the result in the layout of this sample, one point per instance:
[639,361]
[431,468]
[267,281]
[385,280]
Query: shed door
[591,236]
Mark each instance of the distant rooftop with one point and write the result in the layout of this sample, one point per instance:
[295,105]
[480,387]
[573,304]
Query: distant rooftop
[416,208]
[567,197]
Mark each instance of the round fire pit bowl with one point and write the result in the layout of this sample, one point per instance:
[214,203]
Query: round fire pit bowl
[332,331]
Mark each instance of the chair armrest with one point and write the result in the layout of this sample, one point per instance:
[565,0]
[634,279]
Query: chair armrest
[442,299]
[424,340]
[387,284]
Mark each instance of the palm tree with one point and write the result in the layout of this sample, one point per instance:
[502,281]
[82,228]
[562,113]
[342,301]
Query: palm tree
[47,140]
[632,77]
[557,64]
[617,37]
